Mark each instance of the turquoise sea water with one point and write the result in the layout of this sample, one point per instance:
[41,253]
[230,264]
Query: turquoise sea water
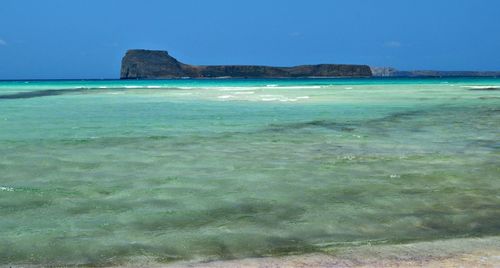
[108,172]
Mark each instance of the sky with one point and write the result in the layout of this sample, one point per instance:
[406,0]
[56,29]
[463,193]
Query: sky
[83,39]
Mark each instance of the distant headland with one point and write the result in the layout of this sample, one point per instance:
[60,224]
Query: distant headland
[154,64]
[392,72]
[158,64]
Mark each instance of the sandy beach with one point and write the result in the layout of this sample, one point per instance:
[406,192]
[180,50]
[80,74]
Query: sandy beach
[467,252]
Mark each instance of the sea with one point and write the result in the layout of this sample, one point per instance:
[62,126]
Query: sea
[112,172]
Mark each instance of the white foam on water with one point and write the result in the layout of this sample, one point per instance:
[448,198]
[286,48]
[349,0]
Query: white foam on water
[480,87]
[133,87]
[7,189]
[287,100]
[303,97]
[299,87]
[265,87]
[395,176]
[244,92]
[237,88]
[269,99]
[225,97]
[153,87]
[271,96]
[348,88]
[272,85]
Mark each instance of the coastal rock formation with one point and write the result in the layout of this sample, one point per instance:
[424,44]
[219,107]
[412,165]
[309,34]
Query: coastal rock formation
[383,71]
[392,72]
[425,73]
[153,64]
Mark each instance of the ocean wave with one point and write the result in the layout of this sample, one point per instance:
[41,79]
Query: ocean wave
[486,87]
[7,189]
[265,87]
[244,93]
[268,95]
[235,88]
[299,87]
[225,96]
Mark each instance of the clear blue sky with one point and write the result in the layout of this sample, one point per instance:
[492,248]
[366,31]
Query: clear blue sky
[86,38]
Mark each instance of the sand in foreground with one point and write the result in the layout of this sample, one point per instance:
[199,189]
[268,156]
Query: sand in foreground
[470,252]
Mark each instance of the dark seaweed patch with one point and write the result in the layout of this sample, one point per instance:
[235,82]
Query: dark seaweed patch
[86,207]
[214,246]
[347,127]
[488,98]
[490,144]
[485,89]
[312,124]
[479,225]
[397,117]
[259,213]
[24,201]
[56,92]
[42,93]
[288,245]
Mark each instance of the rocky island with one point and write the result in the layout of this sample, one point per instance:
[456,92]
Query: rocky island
[155,64]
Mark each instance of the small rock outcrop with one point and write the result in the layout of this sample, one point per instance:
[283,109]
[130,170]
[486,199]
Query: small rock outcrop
[153,64]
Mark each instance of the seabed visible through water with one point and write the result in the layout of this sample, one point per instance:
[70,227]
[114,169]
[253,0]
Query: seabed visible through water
[104,172]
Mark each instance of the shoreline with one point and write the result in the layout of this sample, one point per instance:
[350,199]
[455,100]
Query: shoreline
[459,252]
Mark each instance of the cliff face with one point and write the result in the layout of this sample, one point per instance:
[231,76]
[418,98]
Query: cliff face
[150,64]
[383,71]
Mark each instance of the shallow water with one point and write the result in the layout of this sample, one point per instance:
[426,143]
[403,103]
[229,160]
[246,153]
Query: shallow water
[102,172]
